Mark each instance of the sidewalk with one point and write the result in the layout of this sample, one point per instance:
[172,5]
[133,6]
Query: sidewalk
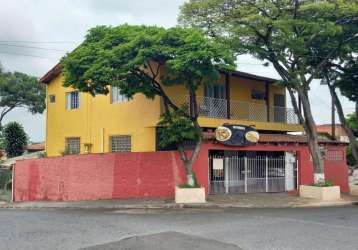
[263,200]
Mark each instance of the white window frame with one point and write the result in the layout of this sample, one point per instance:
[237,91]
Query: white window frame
[121,145]
[116,96]
[72,102]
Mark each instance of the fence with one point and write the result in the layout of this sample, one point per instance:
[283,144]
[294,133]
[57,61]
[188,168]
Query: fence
[222,108]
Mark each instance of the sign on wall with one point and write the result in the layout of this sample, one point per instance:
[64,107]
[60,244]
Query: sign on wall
[236,135]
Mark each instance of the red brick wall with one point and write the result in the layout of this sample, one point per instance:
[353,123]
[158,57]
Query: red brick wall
[98,176]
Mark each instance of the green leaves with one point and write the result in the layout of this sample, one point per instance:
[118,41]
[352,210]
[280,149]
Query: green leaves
[132,57]
[15,139]
[177,128]
[21,90]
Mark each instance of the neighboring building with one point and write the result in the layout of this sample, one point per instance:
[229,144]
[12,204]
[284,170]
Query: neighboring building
[79,123]
[35,147]
[340,133]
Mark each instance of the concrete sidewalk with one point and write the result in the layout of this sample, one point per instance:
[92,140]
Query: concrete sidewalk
[261,200]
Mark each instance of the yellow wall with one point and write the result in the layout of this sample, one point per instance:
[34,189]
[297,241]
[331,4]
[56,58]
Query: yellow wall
[97,119]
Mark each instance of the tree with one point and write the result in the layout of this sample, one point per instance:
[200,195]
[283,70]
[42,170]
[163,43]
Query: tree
[142,59]
[353,125]
[287,33]
[20,90]
[15,139]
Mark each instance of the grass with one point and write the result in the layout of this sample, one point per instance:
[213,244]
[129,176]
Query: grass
[324,184]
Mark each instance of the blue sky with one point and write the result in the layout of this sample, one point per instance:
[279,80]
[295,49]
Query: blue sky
[51,29]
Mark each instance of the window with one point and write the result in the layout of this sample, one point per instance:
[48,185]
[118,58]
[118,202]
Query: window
[258,94]
[335,155]
[120,143]
[52,98]
[116,96]
[72,100]
[73,145]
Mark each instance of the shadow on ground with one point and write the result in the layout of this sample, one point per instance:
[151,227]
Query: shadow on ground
[164,241]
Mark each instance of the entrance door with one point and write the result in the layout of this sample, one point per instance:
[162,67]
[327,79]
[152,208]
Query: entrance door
[280,108]
[252,172]
[215,103]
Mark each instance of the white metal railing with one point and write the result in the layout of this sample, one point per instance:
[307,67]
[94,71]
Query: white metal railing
[221,108]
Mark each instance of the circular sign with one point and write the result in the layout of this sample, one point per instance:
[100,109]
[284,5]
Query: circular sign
[252,136]
[223,134]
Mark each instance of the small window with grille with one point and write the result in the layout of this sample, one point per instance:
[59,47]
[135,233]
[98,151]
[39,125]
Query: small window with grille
[72,100]
[335,155]
[120,143]
[116,96]
[52,98]
[72,145]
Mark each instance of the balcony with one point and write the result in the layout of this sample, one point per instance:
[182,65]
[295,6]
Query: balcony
[238,110]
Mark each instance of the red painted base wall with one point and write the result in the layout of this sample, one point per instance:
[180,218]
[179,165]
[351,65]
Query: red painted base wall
[138,175]
[98,176]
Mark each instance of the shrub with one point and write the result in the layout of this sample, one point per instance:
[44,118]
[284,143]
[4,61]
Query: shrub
[15,139]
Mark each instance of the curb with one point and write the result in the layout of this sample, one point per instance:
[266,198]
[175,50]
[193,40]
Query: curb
[176,206]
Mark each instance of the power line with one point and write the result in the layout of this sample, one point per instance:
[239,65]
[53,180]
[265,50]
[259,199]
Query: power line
[41,42]
[28,55]
[31,47]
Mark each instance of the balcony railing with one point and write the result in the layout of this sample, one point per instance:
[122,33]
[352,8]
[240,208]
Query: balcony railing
[238,110]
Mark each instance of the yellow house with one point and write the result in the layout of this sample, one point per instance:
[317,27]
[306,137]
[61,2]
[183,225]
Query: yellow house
[79,123]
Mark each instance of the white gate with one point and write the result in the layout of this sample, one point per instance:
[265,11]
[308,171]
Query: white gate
[251,174]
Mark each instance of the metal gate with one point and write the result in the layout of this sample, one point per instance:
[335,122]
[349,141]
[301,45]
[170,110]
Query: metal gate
[249,174]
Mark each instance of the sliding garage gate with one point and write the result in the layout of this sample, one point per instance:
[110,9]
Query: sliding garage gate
[247,172]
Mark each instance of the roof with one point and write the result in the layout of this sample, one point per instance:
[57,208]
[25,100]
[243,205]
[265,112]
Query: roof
[281,138]
[56,70]
[11,161]
[36,146]
[49,76]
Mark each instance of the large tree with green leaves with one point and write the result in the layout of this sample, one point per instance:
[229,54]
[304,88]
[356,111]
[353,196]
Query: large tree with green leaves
[343,74]
[288,33]
[143,59]
[15,139]
[20,90]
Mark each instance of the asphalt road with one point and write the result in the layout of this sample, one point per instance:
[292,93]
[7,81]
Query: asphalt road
[302,228]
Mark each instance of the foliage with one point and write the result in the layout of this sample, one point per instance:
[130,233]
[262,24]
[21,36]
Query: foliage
[350,158]
[327,183]
[20,90]
[299,38]
[353,123]
[348,80]
[132,57]
[15,139]
[177,127]
[146,59]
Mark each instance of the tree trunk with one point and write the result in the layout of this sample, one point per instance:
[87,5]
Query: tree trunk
[312,137]
[342,119]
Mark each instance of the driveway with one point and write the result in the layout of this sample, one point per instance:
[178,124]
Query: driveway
[280,228]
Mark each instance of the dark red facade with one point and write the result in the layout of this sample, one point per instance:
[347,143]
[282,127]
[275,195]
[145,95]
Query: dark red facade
[144,175]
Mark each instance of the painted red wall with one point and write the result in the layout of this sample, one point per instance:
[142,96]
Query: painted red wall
[138,175]
[98,176]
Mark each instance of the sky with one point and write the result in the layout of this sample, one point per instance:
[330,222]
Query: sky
[35,34]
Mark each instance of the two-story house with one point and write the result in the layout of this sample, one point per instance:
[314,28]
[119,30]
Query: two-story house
[79,123]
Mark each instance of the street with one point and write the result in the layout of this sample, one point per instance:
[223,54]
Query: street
[290,228]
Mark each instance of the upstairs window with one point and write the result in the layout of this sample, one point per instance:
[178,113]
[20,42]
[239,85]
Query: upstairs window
[72,145]
[121,143]
[72,100]
[52,98]
[116,96]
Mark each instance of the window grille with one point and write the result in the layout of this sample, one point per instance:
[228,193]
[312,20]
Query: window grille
[72,100]
[121,143]
[116,96]
[73,145]
[335,155]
